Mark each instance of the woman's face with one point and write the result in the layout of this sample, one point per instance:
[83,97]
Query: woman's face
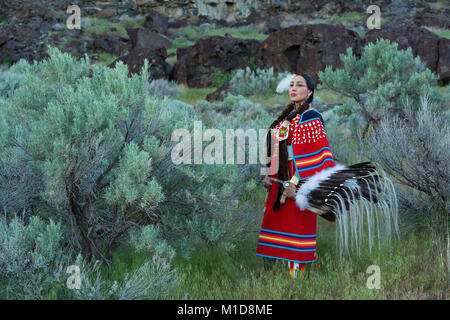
[298,90]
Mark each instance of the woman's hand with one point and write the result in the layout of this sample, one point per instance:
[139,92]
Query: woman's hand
[267,183]
[291,190]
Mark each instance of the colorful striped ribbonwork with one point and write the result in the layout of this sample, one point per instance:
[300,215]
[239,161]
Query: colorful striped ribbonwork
[289,241]
[309,164]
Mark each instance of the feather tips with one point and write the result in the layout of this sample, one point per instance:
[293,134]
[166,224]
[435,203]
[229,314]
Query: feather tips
[301,197]
[284,84]
[319,191]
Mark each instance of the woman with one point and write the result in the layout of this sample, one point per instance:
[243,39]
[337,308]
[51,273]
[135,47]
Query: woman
[301,149]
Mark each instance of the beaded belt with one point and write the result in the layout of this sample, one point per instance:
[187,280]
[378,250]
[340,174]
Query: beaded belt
[284,183]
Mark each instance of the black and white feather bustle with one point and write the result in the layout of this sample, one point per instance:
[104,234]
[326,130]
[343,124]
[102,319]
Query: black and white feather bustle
[360,198]
[340,184]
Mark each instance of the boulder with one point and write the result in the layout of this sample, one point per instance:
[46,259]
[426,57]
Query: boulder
[183,51]
[273,24]
[97,43]
[77,47]
[158,68]
[219,94]
[443,67]
[21,41]
[307,48]
[212,21]
[432,18]
[423,43]
[101,44]
[226,53]
[156,22]
[107,13]
[145,38]
[255,18]
[179,23]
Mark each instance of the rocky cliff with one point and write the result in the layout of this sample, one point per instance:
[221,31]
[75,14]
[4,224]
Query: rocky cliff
[294,33]
[227,10]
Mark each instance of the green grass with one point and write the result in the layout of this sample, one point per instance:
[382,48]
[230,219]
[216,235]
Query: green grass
[218,78]
[194,33]
[315,21]
[181,42]
[348,17]
[192,95]
[271,100]
[267,99]
[133,23]
[103,58]
[438,5]
[384,21]
[124,260]
[190,34]
[101,26]
[444,33]
[413,268]
[172,50]
[329,96]
[6,61]
[444,90]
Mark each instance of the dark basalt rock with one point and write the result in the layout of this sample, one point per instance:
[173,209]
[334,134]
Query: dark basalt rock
[255,18]
[307,48]
[433,18]
[431,49]
[179,23]
[219,94]
[273,24]
[216,22]
[156,22]
[21,41]
[158,68]
[145,38]
[443,67]
[197,63]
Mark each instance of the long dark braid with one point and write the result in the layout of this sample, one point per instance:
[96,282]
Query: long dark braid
[288,114]
[283,114]
[281,117]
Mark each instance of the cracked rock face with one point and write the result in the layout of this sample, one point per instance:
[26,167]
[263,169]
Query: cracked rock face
[144,38]
[197,63]
[307,48]
[237,10]
[28,25]
[22,41]
[158,68]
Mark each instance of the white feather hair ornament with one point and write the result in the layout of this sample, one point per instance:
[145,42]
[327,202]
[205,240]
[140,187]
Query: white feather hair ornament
[284,84]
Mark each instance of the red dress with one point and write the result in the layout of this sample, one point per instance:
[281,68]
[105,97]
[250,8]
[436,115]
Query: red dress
[290,233]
